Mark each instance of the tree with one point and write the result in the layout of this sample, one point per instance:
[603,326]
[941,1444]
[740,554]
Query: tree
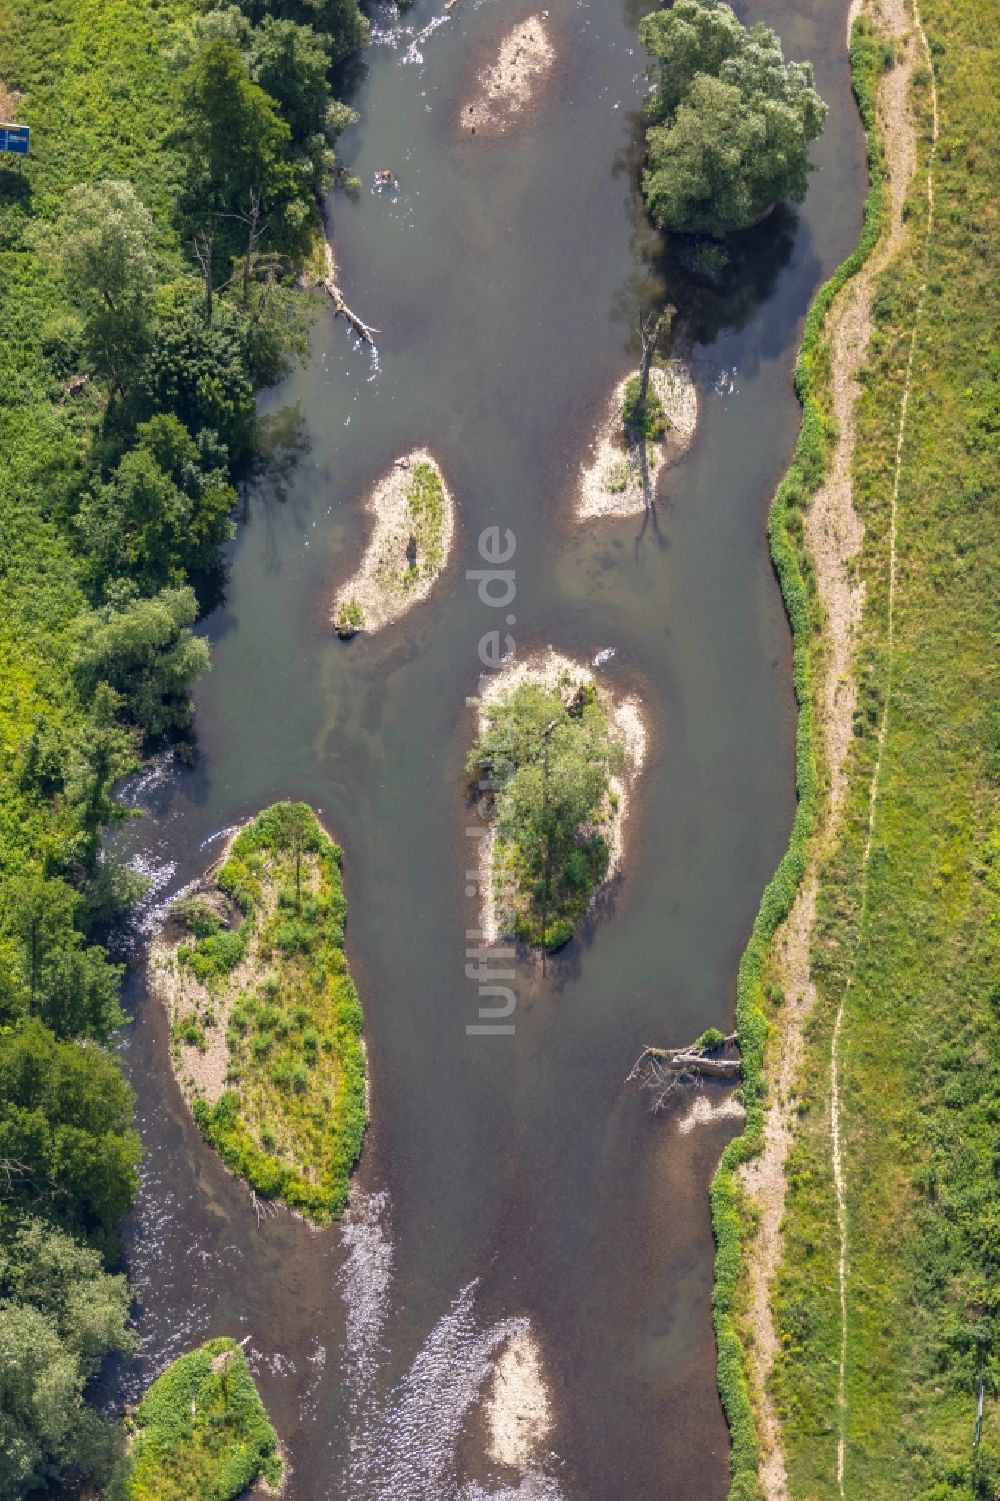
[60,1315]
[66,1139]
[341,25]
[237,149]
[688,38]
[145,651]
[66,1281]
[549,762]
[104,234]
[291,63]
[165,510]
[40,1400]
[200,373]
[732,121]
[53,973]
[300,835]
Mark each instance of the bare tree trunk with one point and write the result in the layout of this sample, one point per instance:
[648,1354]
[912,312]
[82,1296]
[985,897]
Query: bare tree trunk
[664,1070]
[329,285]
[651,331]
[650,335]
[204,245]
[254,233]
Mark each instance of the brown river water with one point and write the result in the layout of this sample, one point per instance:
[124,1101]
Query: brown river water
[506,1180]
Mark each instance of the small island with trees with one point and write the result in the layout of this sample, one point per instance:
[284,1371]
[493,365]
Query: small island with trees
[557,756]
[409,547]
[730,120]
[265,1022]
[200,1430]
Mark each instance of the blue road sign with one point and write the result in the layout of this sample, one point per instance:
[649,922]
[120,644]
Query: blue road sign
[16,138]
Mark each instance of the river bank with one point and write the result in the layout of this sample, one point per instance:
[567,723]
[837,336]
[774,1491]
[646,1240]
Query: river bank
[827,1123]
[833,538]
[917,803]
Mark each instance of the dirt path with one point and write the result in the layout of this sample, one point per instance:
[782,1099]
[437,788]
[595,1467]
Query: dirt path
[834,534]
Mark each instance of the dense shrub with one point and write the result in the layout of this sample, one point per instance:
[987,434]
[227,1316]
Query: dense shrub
[200,1430]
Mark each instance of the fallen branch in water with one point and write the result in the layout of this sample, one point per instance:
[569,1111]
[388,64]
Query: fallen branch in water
[263,1209]
[336,296]
[664,1070]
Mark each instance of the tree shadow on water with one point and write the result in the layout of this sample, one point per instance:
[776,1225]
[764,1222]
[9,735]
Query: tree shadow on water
[717,286]
[650,524]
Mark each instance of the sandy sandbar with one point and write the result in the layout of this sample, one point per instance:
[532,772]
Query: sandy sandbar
[201,1071]
[705,1110]
[611,480]
[516,1407]
[393,577]
[506,89]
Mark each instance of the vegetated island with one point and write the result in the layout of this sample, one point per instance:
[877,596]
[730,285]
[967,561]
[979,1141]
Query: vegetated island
[265,1022]
[201,1430]
[409,548]
[730,120]
[612,483]
[559,756]
[505,90]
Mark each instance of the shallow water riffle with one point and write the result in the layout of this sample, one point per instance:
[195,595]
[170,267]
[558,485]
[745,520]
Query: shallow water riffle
[508,1181]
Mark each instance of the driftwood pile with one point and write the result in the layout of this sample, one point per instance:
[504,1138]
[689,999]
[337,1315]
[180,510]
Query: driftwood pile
[662,1071]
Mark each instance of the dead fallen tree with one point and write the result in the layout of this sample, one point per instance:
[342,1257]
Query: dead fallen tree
[662,1071]
[329,285]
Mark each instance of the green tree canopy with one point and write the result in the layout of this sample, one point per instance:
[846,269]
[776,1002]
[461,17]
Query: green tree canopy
[241,178]
[66,1140]
[67,1283]
[732,121]
[60,1315]
[165,509]
[103,238]
[291,63]
[550,756]
[40,1399]
[199,372]
[50,971]
[145,651]
[340,23]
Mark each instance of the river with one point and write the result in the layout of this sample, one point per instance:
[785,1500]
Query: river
[504,1177]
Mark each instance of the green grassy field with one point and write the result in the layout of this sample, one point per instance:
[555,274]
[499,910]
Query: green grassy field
[920,1049]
